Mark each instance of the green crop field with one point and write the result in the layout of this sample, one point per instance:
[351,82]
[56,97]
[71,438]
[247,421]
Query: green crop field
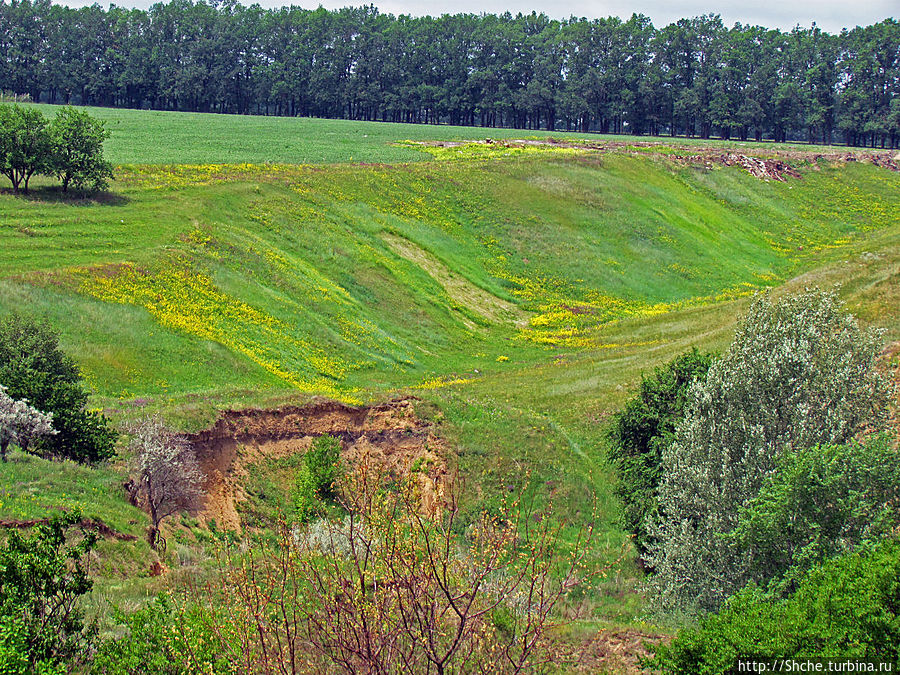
[245,262]
[162,137]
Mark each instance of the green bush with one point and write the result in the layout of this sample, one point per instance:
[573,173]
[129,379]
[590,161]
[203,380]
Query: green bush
[164,639]
[33,367]
[847,607]
[315,478]
[819,503]
[643,428]
[41,578]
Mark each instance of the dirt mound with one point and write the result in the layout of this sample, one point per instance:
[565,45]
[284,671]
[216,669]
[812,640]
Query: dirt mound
[617,651]
[389,434]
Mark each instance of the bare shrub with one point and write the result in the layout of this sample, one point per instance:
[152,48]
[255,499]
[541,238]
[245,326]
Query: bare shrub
[21,424]
[169,476]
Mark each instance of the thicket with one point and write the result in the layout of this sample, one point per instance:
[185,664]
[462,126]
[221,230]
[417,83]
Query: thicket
[42,577]
[316,477]
[642,429]
[33,368]
[800,373]
[69,147]
[847,607]
[692,77]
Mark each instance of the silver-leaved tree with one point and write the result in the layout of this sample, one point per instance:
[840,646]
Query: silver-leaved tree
[20,424]
[799,373]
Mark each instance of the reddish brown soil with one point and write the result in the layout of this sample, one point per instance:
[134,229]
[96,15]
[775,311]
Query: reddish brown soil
[388,434]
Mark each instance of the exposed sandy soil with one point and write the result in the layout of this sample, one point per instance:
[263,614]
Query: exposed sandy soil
[388,434]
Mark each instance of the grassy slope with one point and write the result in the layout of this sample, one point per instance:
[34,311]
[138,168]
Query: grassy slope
[202,287]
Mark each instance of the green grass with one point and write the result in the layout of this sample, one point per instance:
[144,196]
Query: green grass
[161,137]
[520,296]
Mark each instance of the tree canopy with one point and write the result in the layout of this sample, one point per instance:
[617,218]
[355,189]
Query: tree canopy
[694,77]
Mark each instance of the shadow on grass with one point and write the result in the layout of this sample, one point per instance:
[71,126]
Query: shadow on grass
[53,194]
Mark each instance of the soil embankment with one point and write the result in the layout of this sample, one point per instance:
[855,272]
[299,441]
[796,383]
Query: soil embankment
[388,434]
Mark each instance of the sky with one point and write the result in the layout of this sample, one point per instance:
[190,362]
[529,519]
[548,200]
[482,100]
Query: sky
[830,15]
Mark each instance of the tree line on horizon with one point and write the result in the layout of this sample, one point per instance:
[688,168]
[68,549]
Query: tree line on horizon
[694,77]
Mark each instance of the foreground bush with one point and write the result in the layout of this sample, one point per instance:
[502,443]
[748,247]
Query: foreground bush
[847,607]
[799,373]
[42,577]
[34,368]
[643,428]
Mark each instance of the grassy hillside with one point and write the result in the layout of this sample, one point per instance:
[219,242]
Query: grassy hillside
[520,295]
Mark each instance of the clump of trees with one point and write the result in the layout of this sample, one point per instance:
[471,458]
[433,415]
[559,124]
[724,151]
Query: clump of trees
[69,147]
[33,368]
[169,476]
[316,477]
[800,373]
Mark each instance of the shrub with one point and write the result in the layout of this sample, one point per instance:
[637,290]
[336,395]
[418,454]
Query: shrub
[799,373]
[643,428]
[316,476]
[21,424]
[847,607]
[33,367]
[41,578]
[76,141]
[164,638]
[819,503]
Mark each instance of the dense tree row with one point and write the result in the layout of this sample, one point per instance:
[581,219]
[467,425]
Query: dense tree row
[693,77]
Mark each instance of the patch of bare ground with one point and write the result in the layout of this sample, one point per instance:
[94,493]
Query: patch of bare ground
[389,435]
[617,651]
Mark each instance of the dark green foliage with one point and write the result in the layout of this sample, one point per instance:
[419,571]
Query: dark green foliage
[316,476]
[41,578]
[24,144]
[848,607]
[818,503]
[76,141]
[33,367]
[643,428]
[161,638]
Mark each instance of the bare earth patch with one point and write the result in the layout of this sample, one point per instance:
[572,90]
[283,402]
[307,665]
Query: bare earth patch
[387,434]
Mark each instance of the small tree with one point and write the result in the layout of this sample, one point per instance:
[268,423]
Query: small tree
[316,476]
[21,424]
[77,150]
[169,475]
[799,373]
[34,368]
[25,147]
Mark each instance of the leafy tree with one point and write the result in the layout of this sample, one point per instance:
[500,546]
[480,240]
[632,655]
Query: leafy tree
[24,144]
[643,428]
[169,474]
[42,577]
[816,504]
[799,373]
[847,607]
[21,424]
[77,150]
[33,367]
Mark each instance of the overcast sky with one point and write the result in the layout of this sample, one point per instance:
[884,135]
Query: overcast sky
[830,15]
